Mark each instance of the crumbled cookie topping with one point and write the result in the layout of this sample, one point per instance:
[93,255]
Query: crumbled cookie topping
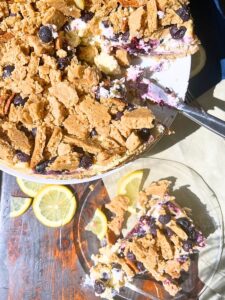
[159,244]
[60,99]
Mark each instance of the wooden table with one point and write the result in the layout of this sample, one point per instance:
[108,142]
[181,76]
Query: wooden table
[38,263]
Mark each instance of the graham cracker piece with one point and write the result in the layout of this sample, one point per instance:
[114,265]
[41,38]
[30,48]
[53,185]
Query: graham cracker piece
[132,3]
[54,16]
[173,268]
[119,19]
[64,7]
[6,151]
[115,134]
[88,53]
[97,115]
[17,138]
[5,37]
[37,110]
[69,162]
[159,188]
[136,20]
[123,57]
[166,248]
[58,111]
[65,93]
[171,287]
[15,113]
[39,146]
[118,206]
[139,118]
[88,146]
[64,149]
[133,142]
[54,142]
[123,129]
[77,125]
[148,256]
[180,232]
[152,17]
[113,104]
[162,4]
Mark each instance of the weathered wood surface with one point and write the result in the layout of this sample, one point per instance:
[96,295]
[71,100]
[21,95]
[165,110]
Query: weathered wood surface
[37,262]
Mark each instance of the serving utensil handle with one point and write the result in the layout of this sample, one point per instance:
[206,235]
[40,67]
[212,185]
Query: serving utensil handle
[203,118]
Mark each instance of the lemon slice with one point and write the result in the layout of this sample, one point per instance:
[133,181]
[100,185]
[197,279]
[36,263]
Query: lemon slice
[18,206]
[98,224]
[54,205]
[29,188]
[129,185]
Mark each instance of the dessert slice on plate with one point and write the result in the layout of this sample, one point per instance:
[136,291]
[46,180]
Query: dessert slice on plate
[159,244]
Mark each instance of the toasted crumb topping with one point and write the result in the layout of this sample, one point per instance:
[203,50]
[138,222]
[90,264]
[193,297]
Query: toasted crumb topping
[63,85]
[159,243]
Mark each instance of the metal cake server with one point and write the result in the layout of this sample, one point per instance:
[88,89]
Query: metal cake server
[163,96]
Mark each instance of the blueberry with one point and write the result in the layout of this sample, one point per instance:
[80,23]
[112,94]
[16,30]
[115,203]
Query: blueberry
[34,131]
[142,88]
[45,34]
[177,33]
[63,62]
[144,219]
[169,232]
[18,100]
[118,116]
[7,71]
[93,132]
[125,36]
[153,227]
[121,255]
[86,15]
[106,24]
[116,266]
[187,245]
[131,256]
[23,157]
[86,161]
[42,166]
[164,219]
[141,267]
[78,149]
[193,235]
[144,134]
[115,37]
[184,13]
[184,223]
[99,287]
[105,276]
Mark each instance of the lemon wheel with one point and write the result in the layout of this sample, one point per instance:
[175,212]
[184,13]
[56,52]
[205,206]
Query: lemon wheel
[130,184]
[54,205]
[29,188]
[18,206]
[98,224]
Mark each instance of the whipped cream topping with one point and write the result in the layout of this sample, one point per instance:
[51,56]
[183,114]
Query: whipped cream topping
[78,25]
[134,72]
[107,31]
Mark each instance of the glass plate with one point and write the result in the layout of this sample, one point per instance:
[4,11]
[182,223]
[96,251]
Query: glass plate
[191,191]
